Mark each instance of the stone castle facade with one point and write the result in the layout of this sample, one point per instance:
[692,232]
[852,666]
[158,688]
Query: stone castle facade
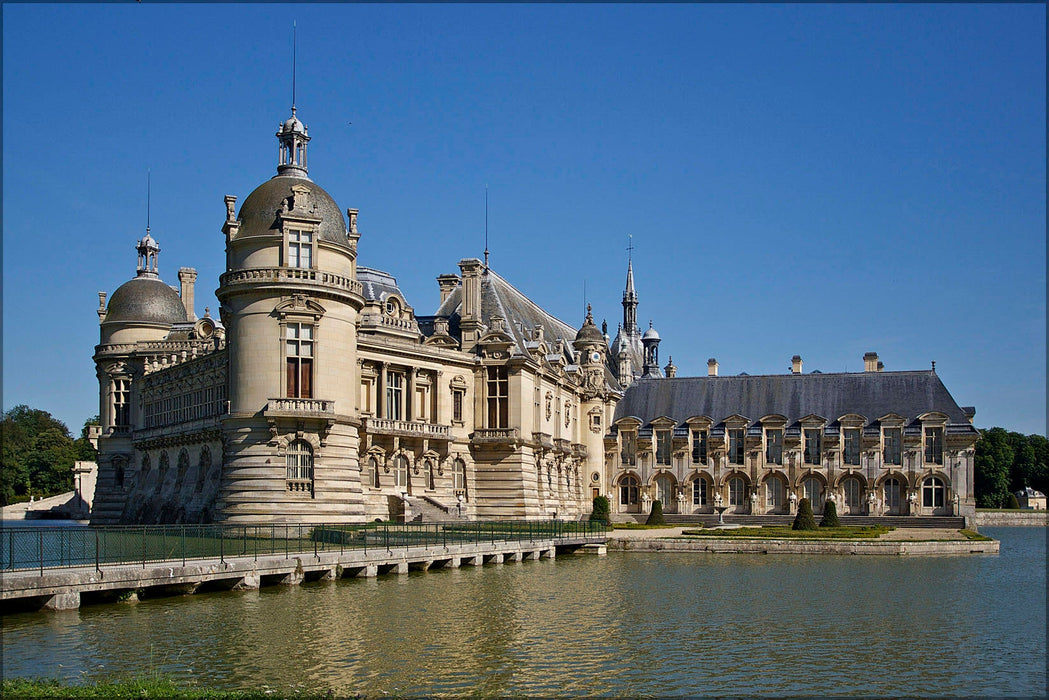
[319,395]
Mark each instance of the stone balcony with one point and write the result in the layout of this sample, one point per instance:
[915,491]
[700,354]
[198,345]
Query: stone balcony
[406,428]
[509,437]
[300,408]
[267,275]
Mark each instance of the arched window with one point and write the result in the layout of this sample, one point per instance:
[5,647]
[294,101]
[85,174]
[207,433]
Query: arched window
[628,490]
[813,490]
[164,465]
[118,472]
[665,490]
[737,491]
[431,475]
[300,466]
[144,469]
[699,492]
[373,469]
[892,493]
[183,467]
[775,491]
[203,467]
[459,473]
[400,470]
[932,493]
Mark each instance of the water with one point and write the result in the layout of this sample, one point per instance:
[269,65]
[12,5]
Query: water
[626,624]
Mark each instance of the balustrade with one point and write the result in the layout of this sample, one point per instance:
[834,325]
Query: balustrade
[282,274]
[388,426]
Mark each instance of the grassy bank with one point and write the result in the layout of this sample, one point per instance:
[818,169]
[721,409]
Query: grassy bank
[139,688]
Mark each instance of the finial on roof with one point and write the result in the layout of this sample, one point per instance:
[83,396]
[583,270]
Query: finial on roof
[934,365]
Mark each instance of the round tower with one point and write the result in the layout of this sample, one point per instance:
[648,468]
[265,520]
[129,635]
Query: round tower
[290,301]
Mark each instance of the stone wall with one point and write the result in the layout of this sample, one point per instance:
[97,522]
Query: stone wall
[1013,518]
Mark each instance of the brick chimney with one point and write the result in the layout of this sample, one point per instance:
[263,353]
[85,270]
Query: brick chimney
[712,367]
[795,364]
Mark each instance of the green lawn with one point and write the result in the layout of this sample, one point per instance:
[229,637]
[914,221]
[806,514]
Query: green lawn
[138,688]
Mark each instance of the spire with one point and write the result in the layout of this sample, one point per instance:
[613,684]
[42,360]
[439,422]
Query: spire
[147,247]
[629,295]
[292,135]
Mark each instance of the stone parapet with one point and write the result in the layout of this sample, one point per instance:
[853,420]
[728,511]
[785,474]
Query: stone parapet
[786,546]
[1014,518]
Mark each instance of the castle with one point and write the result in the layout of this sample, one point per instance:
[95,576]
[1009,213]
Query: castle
[319,395]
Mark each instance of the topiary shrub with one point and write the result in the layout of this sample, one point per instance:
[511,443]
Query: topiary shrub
[602,511]
[830,516]
[656,516]
[1011,503]
[804,520]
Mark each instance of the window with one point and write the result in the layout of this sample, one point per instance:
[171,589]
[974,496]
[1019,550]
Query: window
[813,448]
[300,466]
[121,402]
[735,445]
[699,446]
[813,491]
[932,493]
[737,491]
[893,445]
[699,492]
[498,398]
[459,477]
[853,493]
[431,475]
[665,490]
[892,493]
[457,405]
[934,445]
[373,467]
[394,395]
[774,493]
[852,446]
[628,490]
[300,249]
[143,470]
[774,446]
[663,447]
[400,469]
[183,467]
[299,353]
[163,471]
[628,456]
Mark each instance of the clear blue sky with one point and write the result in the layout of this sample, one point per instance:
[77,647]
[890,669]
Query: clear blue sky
[814,179]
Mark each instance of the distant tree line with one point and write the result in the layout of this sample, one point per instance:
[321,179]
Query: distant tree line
[1007,462]
[38,454]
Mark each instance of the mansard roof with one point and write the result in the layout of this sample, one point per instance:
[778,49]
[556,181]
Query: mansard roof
[870,394]
[378,285]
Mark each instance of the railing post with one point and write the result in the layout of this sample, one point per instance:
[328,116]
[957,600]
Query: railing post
[97,568]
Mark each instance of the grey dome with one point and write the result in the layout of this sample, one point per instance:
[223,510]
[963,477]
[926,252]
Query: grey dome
[145,300]
[292,125]
[650,334]
[258,214]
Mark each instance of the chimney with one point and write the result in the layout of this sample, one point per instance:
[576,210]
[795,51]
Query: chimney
[795,364]
[447,284]
[186,277]
[870,362]
[712,367]
[671,368]
[101,307]
[470,313]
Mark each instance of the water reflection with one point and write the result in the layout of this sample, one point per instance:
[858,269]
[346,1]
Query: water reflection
[652,624]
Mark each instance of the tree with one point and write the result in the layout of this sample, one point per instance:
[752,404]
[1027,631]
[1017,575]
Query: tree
[804,520]
[656,516]
[602,510]
[994,460]
[38,455]
[1011,503]
[830,515]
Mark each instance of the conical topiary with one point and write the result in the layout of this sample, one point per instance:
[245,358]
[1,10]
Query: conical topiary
[602,510]
[830,515]
[804,520]
[1012,503]
[656,516]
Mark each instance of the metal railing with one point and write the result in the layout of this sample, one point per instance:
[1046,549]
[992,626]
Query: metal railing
[43,548]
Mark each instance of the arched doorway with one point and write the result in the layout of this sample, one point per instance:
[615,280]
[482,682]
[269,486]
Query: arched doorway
[934,496]
[892,496]
[700,493]
[400,471]
[775,495]
[665,492]
[737,494]
[853,496]
[629,488]
[812,489]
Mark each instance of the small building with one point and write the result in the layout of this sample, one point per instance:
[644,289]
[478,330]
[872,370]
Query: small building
[1030,499]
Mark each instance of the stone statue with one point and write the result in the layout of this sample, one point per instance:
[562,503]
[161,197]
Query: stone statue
[718,499]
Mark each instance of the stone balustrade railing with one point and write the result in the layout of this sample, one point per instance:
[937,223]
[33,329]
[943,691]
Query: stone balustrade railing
[291,274]
[389,426]
[496,435]
[301,406]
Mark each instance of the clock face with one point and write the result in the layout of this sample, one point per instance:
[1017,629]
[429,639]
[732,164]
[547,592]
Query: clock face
[595,357]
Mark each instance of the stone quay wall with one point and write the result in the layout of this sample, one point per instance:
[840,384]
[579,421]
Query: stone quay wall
[1012,518]
[786,546]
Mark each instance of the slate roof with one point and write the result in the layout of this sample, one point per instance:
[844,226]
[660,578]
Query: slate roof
[258,213]
[831,395]
[145,299]
[378,285]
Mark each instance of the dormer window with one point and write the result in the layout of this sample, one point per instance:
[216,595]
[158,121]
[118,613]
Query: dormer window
[300,249]
[392,307]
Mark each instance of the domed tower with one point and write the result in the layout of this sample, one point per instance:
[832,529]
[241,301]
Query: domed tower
[591,345]
[290,301]
[650,341]
[142,310]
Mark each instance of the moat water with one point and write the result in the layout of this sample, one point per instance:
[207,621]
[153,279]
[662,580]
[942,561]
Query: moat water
[625,624]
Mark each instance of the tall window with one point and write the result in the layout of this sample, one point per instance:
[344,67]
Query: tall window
[737,491]
[813,448]
[853,493]
[893,445]
[813,491]
[699,492]
[663,447]
[299,352]
[699,446]
[400,470]
[431,475]
[457,405]
[628,488]
[163,471]
[629,453]
[774,493]
[852,446]
[498,398]
[183,467]
[373,467]
[121,402]
[665,490]
[735,445]
[934,445]
[300,249]
[932,493]
[459,477]
[300,466]
[774,446]
[394,395]
[892,493]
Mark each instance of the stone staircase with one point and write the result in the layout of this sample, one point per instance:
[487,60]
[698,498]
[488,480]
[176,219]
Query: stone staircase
[708,520]
[426,509]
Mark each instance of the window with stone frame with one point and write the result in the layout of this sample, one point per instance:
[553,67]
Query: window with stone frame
[699,492]
[774,446]
[394,395]
[934,445]
[459,477]
[663,445]
[813,445]
[400,470]
[892,491]
[122,402]
[628,490]
[736,437]
[851,453]
[498,397]
[933,493]
[893,443]
[300,249]
[628,442]
[203,467]
[299,353]
[737,491]
[299,462]
[457,405]
[699,446]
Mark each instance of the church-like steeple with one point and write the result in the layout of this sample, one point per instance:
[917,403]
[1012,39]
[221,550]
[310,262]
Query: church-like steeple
[630,302]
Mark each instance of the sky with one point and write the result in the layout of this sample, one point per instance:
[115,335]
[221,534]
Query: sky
[821,180]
